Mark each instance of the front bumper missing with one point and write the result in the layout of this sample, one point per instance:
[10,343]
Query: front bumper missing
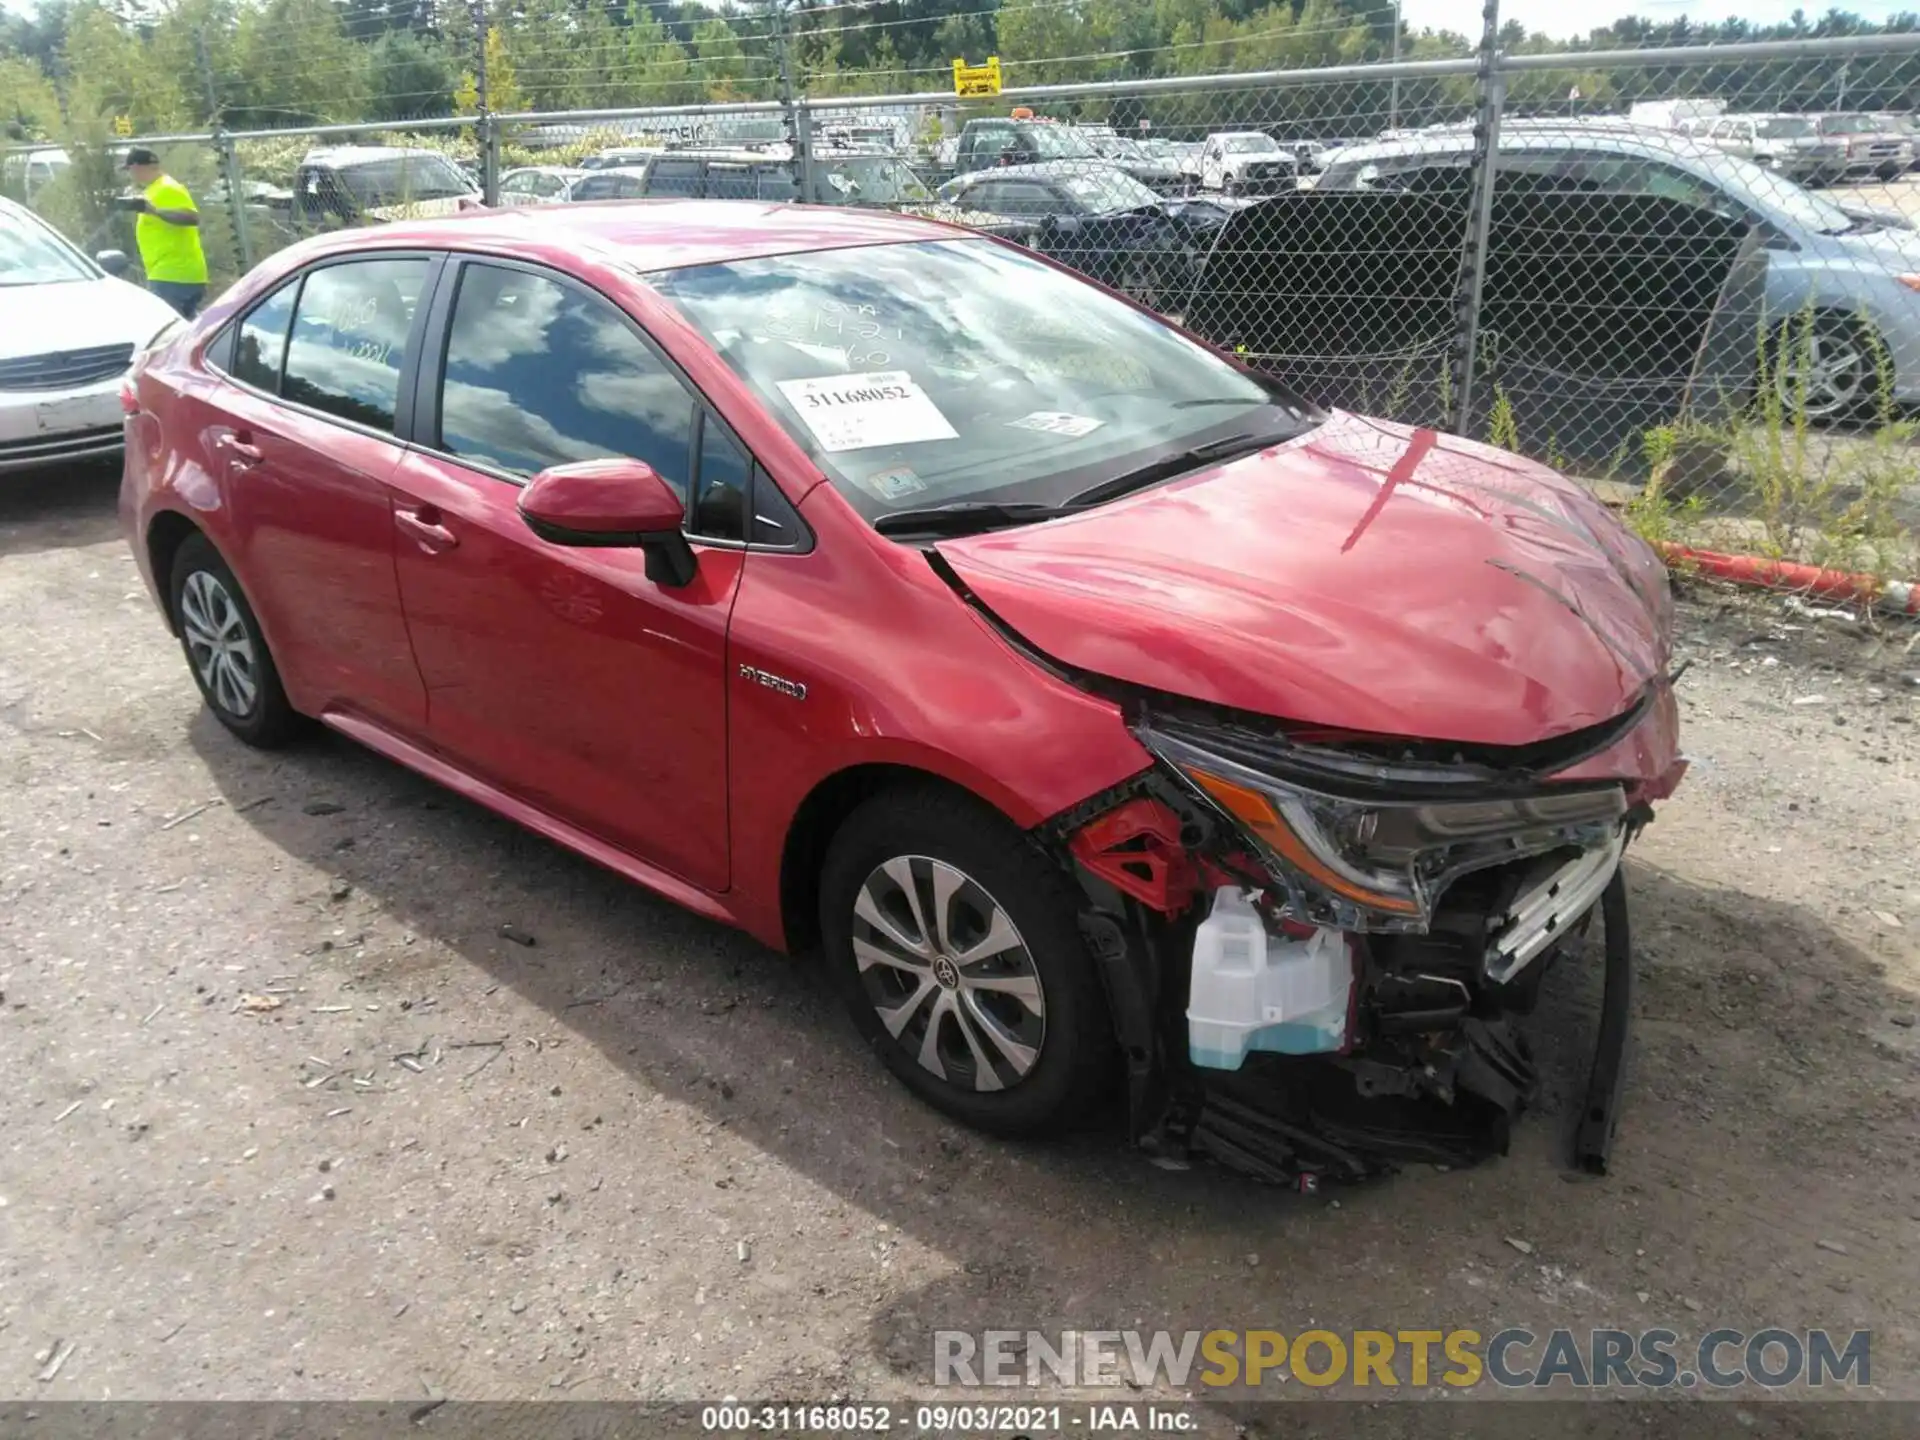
[1435,1071]
[1299,1121]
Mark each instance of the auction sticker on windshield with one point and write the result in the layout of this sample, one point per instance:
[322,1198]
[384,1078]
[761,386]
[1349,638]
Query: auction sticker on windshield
[857,412]
[1057,422]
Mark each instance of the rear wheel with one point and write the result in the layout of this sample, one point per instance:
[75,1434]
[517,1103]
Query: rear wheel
[225,648]
[956,947]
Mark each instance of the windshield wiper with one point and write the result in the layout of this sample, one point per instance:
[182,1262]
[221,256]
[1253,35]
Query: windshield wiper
[1180,463]
[963,517]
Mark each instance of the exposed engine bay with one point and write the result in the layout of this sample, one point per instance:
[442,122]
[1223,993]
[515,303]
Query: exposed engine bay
[1318,947]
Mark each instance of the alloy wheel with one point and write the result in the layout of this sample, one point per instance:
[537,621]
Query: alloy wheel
[1827,372]
[946,970]
[222,651]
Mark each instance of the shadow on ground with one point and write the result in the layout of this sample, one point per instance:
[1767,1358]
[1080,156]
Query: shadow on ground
[54,509]
[1740,999]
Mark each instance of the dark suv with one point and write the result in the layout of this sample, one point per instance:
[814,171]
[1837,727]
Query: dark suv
[839,178]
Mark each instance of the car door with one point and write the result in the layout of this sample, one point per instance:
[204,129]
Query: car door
[561,674]
[307,440]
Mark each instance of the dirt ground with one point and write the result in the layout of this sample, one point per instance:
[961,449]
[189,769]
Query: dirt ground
[286,1116]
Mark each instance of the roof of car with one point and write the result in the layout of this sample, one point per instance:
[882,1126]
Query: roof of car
[1545,134]
[664,234]
[360,154]
[1041,170]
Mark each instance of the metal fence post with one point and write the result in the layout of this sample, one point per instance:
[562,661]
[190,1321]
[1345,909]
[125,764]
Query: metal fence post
[793,111]
[489,157]
[1491,85]
[236,201]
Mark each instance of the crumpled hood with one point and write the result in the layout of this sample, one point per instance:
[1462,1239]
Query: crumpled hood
[77,315]
[1364,576]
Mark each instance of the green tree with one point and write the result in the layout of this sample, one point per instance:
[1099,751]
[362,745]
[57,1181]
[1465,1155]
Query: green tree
[408,77]
[724,67]
[297,65]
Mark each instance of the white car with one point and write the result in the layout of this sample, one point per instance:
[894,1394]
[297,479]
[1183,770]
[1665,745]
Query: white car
[68,334]
[1247,162]
[538,185]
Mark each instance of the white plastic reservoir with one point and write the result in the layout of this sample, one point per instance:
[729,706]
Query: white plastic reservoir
[1253,991]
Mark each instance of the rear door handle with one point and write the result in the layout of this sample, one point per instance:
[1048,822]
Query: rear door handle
[423,525]
[240,447]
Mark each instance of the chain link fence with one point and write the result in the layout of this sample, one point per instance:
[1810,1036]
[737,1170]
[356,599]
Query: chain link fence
[1687,277]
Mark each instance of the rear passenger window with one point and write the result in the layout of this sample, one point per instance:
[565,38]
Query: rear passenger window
[539,373]
[350,338]
[261,344]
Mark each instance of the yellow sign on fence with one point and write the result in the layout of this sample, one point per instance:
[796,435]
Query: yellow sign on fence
[122,126]
[970,82]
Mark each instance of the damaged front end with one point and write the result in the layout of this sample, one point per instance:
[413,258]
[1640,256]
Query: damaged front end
[1315,945]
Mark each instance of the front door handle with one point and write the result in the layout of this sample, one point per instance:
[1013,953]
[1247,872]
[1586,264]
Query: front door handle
[423,524]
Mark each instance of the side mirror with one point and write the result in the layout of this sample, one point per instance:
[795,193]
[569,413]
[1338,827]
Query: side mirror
[614,503]
[114,262]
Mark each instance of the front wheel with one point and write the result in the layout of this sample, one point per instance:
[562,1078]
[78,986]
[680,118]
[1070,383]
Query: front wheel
[1827,369]
[956,947]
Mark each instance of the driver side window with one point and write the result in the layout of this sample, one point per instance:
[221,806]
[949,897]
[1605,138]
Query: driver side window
[540,373]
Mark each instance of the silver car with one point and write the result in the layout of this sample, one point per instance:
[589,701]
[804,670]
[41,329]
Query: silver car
[1856,275]
[1789,145]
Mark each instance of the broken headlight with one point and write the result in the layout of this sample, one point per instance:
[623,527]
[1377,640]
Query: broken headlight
[1380,862]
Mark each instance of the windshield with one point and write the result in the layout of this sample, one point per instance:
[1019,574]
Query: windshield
[404,178]
[961,370]
[1105,191]
[1850,125]
[1785,128]
[1240,144]
[1768,191]
[870,180]
[1056,142]
[30,255]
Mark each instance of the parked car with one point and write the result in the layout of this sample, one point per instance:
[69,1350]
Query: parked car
[1908,128]
[538,184]
[69,331]
[25,173]
[766,173]
[1247,162]
[1788,144]
[353,184]
[881,588]
[992,142]
[1851,277]
[1873,147]
[1682,116]
[622,157]
[1157,172]
[1096,218]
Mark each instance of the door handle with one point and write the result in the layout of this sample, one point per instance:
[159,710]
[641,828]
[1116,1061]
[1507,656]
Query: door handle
[424,526]
[240,448]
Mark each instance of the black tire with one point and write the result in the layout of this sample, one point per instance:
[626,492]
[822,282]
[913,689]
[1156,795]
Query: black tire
[1073,1047]
[205,596]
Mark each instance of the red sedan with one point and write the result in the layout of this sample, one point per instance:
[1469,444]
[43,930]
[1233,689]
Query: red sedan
[1104,713]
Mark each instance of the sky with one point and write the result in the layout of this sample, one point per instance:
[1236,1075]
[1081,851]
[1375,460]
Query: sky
[1563,18]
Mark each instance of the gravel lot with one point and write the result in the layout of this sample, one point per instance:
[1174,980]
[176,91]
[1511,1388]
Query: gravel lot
[288,1116]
